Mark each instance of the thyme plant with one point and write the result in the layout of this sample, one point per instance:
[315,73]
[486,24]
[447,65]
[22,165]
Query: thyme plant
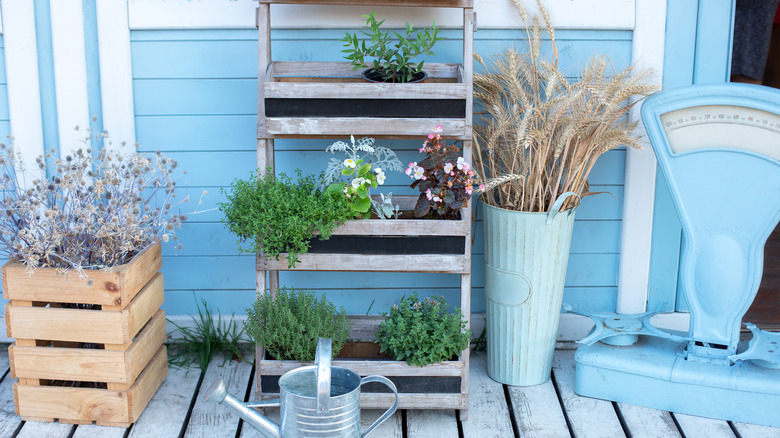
[289,325]
[91,213]
[273,215]
[423,332]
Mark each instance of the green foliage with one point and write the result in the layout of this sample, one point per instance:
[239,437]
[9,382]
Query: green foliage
[423,332]
[289,325]
[204,339]
[273,215]
[391,58]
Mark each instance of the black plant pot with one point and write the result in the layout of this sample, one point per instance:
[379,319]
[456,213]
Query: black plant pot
[372,75]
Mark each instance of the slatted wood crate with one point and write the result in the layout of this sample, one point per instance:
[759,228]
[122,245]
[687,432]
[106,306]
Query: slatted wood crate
[435,386]
[86,352]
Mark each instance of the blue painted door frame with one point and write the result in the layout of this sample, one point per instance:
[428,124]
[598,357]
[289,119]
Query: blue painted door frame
[697,51]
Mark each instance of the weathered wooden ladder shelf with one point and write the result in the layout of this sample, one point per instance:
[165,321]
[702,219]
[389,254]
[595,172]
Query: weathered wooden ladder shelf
[330,100]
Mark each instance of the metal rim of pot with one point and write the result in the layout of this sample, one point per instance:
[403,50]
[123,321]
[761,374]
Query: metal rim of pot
[373,75]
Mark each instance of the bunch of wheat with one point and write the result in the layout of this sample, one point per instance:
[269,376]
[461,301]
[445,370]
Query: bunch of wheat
[539,135]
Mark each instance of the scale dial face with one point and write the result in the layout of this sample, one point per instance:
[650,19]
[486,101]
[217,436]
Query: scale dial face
[723,126]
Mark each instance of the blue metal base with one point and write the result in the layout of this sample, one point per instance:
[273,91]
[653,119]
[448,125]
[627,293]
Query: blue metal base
[659,376]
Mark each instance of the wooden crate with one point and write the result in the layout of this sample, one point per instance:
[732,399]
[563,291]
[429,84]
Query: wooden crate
[86,352]
[327,99]
[435,386]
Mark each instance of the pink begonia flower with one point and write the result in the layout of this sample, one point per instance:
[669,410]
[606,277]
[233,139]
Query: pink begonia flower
[448,168]
[410,169]
[430,135]
[428,194]
[438,128]
[461,162]
[469,189]
[470,173]
[349,163]
[419,172]
[436,199]
[482,187]
[380,179]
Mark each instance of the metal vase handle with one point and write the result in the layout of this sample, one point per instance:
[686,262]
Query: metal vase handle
[322,360]
[556,207]
[390,411]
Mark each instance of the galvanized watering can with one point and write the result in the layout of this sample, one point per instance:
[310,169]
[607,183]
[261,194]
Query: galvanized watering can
[315,401]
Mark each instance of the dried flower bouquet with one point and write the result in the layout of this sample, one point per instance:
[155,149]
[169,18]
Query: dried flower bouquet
[539,135]
[82,212]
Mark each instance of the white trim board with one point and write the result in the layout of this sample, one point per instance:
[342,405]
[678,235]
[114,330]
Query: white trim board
[495,14]
[116,76]
[21,67]
[639,192]
[570,328]
[70,74]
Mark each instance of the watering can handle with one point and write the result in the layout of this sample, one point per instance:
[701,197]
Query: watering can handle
[390,411]
[322,360]
[556,207]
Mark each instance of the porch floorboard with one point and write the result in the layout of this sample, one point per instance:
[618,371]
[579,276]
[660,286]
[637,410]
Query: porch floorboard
[550,410]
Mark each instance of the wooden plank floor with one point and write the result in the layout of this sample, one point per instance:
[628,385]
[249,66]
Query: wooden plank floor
[550,410]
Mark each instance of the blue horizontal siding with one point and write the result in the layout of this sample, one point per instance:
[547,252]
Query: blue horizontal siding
[196,99]
[5,125]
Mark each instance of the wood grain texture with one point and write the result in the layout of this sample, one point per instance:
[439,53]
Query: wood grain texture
[34,429]
[488,412]
[9,421]
[166,412]
[209,420]
[589,417]
[116,286]
[431,423]
[537,411]
[385,127]
[647,422]
[368,90]
[756,431]
[90,365]
[78,325]
[443,264]
[700,427]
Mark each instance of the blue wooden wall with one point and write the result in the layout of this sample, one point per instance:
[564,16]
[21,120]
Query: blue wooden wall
[195,100]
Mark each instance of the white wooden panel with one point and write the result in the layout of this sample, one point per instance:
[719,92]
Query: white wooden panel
[431,423]
[116,76]
[639,195]
[21,66]
[34,429]
[95,431]
[231,14]
[9,421]
[70,73]
[1,21]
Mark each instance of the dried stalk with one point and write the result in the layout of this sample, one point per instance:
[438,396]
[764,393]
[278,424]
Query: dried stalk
[543,130]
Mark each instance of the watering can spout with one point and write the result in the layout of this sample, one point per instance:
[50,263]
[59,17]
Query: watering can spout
[217,393]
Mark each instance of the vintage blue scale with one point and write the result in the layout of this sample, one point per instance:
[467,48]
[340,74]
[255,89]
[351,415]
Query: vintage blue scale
[718,146]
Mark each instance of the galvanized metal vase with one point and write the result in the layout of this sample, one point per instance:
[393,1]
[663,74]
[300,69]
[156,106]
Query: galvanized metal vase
[526,255]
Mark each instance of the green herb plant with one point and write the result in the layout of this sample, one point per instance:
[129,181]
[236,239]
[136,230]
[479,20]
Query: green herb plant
[289,325]
[206,338]
[423,332]
[392,60]
[272,214]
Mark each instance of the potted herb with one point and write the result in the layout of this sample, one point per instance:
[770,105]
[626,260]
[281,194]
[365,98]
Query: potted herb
[364,168]
[444,178]
[276,215]
[388,60]
[84,250]
[423,332]
[288,324]
[535,158]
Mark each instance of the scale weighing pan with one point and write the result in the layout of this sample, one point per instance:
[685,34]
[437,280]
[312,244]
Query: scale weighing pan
[718,147]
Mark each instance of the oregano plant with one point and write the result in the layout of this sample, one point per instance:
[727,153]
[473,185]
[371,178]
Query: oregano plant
[423,332]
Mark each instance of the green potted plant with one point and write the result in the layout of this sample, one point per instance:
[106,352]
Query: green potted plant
[534,159]
[444,178]
[423,332]
[85,242]
[386,60]
[276,215]
[289,323]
